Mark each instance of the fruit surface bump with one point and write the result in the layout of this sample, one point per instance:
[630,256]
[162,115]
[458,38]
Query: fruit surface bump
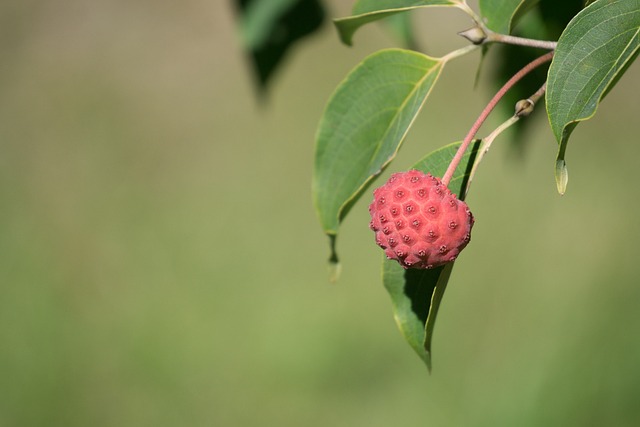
[418,221]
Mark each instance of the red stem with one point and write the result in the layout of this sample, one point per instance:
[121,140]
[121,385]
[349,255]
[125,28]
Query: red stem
[487,110]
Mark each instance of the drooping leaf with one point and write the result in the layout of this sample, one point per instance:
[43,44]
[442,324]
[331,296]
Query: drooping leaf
[363,126]
[593,52]
[501,15]
[416,294]
[413,294]
[366,11]
[269,28]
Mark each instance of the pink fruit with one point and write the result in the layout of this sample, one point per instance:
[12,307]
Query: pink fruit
[418,221]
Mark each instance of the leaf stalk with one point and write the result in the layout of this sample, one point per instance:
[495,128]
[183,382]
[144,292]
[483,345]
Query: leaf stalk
[459,52]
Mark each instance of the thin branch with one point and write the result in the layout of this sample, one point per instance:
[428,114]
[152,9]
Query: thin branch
[520,112]
[520,41]
[493,37]
[487,110]
[486,145]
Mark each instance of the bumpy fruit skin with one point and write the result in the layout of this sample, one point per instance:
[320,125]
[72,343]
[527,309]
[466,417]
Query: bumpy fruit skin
[418,221]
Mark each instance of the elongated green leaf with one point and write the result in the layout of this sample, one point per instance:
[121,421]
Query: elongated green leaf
[501,15]
[365,11]
[416,294]
[270,27]
[413,294]
[593,52]
[363,125]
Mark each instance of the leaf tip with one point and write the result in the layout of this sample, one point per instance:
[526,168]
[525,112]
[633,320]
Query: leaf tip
[427,361]
[562,176]
[335,268]
[345,33]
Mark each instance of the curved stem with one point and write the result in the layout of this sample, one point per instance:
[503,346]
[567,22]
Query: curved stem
[472,14]
[487,110]
[520,41]
[488,140]
[486,145]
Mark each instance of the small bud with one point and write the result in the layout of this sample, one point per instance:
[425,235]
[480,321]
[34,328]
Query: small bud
[474,34]
[524,107]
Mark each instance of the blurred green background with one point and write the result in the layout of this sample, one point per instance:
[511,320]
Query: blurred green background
[161,263]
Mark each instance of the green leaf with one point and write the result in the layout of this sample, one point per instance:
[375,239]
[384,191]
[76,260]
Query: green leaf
[557,15]
[413,294]
[416,294]
[363,126]
[593,52]
[401,26]
[365,11]
[270,27]
[501,15]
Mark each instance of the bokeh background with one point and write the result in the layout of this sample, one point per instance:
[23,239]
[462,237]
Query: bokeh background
[161,263]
